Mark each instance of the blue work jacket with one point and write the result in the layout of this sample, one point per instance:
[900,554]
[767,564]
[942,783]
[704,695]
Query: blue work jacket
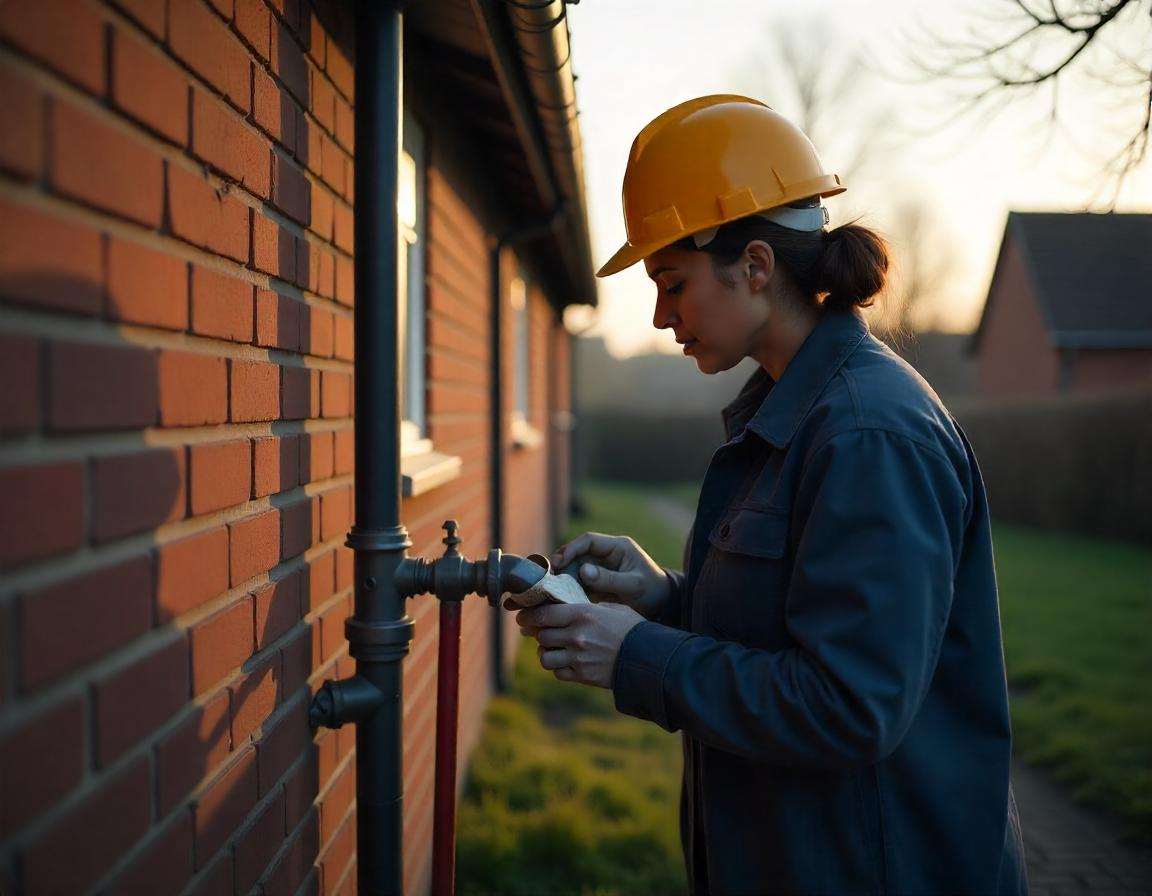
[832,651]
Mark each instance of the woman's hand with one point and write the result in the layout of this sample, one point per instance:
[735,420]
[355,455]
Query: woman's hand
[615,568]
[580,642]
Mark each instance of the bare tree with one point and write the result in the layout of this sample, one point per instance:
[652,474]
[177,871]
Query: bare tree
[806,70]
[1036,45]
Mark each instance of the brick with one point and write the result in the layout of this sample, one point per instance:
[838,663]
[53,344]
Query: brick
[323,210]
[22,145]
[222,306]
[226,8]
[108,823]
[340,71]
[340,853]
[345,125]
[337,801]
[187,755]
[29,246]
[318,323]
[259,844]
[222,139]
[148,87]
[296,864]
[345,228]
[289,64]
[316,461]
[321,579]
[216,880]
[277,609]
[148,14]
[42,513]
[335,394]
[298,523]
[254,544]
[132,703]
[332,172]
[312,152]
[297,660]
[345,281]
[295,393]
[254,698]
[165,865]
[332,639]
[205,44]
[99,164]
[276,465]
[220,644]
[315,40]
[193,389]
[255,391]
[64,626]
[274,110]
[223,807]
[336,512]
[300,788]
[277,321]
[205,217]
[345,566]
[221,475]
[51,743]
[67,36]
[322,271]
[254,22]
[100,387]
[20,374]
[323,101]
[273,249]
[191,572]
[291,192]
[344,452]
[146,287]
[137,491]
[282,744]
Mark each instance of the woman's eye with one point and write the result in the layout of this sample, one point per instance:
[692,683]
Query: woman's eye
[676,290]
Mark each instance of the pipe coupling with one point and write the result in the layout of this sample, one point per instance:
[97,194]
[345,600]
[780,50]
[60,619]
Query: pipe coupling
[348,700]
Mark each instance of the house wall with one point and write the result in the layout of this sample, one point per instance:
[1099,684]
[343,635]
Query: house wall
[1014,358]
[1100,370]
[176,449]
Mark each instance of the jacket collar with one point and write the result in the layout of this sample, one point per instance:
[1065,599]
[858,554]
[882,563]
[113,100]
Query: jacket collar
[774,410]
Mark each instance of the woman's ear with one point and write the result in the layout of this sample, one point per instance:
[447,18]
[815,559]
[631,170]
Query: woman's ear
[759,265]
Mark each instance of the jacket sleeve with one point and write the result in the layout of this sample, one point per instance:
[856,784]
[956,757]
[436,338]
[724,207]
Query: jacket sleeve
[878,522]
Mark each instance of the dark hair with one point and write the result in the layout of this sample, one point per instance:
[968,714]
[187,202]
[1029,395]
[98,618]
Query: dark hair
[841,268]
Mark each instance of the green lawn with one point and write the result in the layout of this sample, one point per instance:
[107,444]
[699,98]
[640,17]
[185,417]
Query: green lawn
[565,796]
[1077,620]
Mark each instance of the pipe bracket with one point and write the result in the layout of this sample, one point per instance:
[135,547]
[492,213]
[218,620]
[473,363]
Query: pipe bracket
[348,700]
[378,640]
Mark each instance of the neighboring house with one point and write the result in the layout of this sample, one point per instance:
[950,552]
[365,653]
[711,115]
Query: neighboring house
[176,417]
[1069,308]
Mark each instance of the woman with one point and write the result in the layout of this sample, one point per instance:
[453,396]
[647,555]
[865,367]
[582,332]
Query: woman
[831,651]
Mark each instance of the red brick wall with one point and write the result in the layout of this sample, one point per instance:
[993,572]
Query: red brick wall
[1100,370]
[1014,356]
[176,449]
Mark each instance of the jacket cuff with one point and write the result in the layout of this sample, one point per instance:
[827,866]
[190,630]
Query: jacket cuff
[638,680]
[670,613]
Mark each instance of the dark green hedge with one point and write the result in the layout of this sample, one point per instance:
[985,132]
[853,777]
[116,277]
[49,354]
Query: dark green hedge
[1075,464]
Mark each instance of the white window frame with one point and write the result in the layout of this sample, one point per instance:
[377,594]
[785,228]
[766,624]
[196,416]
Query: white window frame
[524,435]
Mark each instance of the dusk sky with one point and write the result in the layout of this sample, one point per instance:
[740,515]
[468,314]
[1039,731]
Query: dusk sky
[635,58]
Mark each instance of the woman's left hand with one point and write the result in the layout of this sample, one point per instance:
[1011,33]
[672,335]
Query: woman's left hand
[580,642]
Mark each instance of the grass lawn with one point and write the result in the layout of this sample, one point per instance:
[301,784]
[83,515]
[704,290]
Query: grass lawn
[565,796]
[1077,620]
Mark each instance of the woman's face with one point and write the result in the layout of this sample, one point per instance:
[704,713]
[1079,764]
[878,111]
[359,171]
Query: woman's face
[718,325]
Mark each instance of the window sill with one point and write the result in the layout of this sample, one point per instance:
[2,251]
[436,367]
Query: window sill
[422,469]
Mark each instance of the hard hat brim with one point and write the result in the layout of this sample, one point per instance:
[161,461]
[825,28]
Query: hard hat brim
[625,257]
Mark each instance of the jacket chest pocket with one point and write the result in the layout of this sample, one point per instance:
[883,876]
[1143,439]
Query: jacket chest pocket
[740,594]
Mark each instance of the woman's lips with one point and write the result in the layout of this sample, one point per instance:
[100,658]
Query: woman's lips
[688,346]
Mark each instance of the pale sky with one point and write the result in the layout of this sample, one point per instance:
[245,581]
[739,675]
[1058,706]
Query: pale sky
[635,58]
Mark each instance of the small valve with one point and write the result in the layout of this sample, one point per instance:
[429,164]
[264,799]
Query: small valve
[451,539]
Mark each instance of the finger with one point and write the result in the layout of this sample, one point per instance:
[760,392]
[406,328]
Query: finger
[554,659]
[592,544]
[553,637]
[625,584]
[564,673]
[529,631]
[549,615]
[525,599]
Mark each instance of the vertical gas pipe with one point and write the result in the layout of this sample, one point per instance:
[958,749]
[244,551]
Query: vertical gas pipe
[379,632]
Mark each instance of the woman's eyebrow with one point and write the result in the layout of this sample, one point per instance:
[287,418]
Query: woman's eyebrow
[656,273]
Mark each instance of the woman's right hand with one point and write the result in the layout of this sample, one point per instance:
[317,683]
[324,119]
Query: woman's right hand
[615,568]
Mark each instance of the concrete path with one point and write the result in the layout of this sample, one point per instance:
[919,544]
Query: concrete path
[1070,851]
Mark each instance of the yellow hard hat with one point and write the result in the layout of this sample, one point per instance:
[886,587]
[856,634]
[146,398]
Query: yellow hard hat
[709,161]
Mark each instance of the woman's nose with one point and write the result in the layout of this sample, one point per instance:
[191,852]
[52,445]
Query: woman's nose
[665,315]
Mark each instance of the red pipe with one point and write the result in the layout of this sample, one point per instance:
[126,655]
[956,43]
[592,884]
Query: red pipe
[447,711]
